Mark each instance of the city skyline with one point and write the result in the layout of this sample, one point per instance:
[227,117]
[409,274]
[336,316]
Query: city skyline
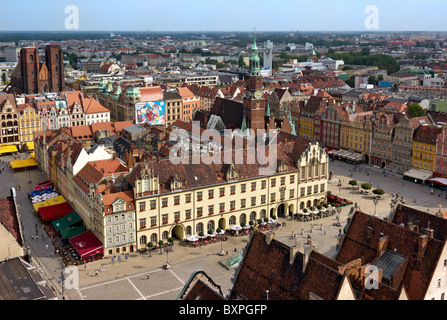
[198,15]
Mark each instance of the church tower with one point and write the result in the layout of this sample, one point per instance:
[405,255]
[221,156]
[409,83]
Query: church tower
[254,103]
[29,70]
[55,62]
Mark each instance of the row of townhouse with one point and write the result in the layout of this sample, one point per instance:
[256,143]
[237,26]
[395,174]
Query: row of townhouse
[377,129]
[122,99]
[22,116]
[401,257]
[126,206]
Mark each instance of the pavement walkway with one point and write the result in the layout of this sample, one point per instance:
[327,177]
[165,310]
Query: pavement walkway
[129,280]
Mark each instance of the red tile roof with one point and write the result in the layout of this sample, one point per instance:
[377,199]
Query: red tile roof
[269,266]
[361,241]
[8,218]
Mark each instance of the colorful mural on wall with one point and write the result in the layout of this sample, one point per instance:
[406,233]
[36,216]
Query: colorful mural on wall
[151,112]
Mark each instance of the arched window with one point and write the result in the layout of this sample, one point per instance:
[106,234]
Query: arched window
[31,58]
[164,235]
[199,227]
[243,218]
[262,214]
[153,238]
[252,215]
[188,230]
[143,240]
[210,225]
[232,220]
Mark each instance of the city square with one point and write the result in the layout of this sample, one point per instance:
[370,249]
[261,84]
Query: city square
[128,278]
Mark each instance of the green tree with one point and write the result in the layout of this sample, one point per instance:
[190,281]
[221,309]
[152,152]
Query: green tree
[378,192]
[373,80]
[366,186]
[365,52]
[150,245]
[241,62]
[415,110]
[160,243]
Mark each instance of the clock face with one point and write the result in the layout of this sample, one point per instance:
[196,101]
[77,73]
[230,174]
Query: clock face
[258,95]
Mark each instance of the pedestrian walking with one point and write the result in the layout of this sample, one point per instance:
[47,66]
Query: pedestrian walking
[37,237]
[32,238]
[96,273]
[431,191]
[148,276]
[102,268]
[46,247]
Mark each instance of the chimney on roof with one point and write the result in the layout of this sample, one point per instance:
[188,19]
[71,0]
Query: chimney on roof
[382,244]
[429,232]
[305,251]
[369,232]
[269,236]
[413,227]
[422,245]
[293,251]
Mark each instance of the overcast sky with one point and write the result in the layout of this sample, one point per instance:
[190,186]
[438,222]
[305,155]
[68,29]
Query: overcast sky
[224,15]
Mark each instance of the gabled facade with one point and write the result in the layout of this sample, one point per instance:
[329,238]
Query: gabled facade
[201,197]
[9,116]
[382,140]
[402,145]
[356,133]
[28,122]
[424,147]
[116,222]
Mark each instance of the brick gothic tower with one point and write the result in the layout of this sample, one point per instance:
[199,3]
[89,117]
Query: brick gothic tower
[254,104]
[31,76]
[29,69]
[55,63]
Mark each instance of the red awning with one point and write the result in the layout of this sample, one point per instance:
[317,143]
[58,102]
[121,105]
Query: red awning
[440,181]
[86,244]
[55,211]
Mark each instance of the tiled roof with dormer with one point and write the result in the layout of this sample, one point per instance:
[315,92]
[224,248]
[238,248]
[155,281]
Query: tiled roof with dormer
[361,241]
[268,266]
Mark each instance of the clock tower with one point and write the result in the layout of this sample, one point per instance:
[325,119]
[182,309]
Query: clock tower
[254,104]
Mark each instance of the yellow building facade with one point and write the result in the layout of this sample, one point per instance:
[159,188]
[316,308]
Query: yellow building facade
[306,129]
[355,134]
[29,122]
[172,208]
[424,147]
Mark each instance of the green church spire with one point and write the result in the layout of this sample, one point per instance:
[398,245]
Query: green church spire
[255,61]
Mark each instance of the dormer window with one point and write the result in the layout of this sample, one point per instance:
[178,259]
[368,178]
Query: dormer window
[146,184]
[282,167]
[232,173]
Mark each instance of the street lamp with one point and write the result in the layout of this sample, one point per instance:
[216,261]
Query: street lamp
[375,205]
[167,248]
